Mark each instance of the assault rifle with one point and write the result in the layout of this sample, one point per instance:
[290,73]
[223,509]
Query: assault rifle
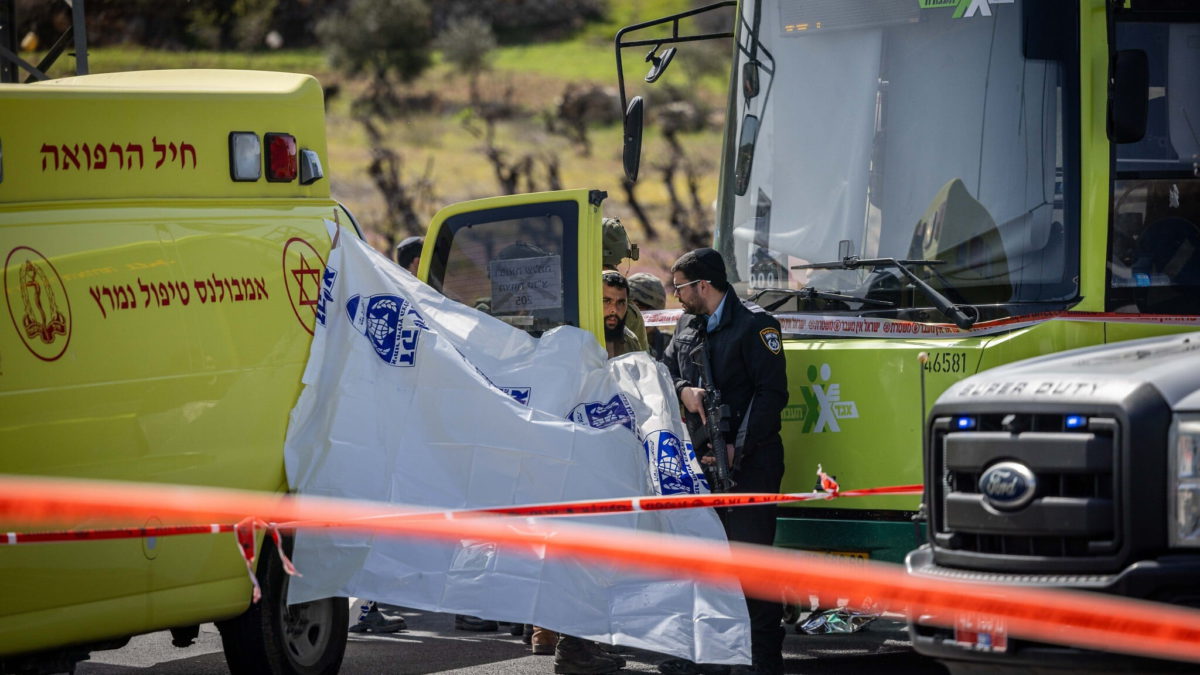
[715,426]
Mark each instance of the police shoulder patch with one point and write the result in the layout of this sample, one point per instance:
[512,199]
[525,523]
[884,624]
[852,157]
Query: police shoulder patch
[771,338]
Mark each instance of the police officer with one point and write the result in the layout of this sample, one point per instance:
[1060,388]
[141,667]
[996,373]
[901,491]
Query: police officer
[745,351]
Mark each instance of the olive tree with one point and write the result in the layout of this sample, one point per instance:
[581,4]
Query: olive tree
[467,43]
[379,38]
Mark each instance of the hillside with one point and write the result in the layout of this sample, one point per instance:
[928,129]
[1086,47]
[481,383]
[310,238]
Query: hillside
[436,144]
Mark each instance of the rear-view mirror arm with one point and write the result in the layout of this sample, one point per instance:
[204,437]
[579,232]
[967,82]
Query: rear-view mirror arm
[674,39]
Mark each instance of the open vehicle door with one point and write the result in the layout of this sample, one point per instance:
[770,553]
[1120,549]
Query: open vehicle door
[531,260]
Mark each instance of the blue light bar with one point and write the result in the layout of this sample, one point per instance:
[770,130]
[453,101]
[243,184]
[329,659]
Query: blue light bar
[964,423]
[1076,421]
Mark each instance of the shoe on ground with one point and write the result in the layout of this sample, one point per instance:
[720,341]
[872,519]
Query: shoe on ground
[475,624]
[516,629]
[543,641]
[527,633]
[615,649]
[606,651]
[575,656]
[376,621]
[685,667]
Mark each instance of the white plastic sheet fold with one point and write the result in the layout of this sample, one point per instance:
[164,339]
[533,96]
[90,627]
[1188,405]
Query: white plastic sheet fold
[412,398]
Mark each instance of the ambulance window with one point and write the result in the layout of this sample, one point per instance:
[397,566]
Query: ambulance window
[516,263]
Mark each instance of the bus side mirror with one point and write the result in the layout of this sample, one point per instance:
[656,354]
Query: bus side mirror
[658,64]
[750,79]
[745,154]
[632,154]
[1128,96]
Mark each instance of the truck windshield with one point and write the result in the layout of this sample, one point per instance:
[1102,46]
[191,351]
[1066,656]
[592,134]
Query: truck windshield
[1154,263]
[897,129]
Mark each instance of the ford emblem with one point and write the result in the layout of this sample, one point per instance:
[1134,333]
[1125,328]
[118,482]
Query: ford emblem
[1008,485]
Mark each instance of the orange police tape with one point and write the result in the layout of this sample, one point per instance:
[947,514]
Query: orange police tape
[575,508]
[1072,618]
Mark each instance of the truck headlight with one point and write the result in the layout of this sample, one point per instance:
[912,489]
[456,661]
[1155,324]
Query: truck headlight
[1184,467]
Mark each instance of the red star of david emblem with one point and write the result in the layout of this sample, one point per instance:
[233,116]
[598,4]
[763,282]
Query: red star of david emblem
[302,274]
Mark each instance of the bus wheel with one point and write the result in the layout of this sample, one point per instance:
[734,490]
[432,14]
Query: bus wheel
[273,637]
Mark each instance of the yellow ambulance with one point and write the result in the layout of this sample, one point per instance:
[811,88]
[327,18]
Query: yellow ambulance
[162,236]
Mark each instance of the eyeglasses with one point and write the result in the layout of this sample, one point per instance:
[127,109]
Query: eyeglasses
[679,286]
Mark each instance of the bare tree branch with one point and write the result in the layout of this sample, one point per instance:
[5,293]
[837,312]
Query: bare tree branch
[402,198]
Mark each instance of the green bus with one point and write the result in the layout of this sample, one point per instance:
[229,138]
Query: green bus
[922,190]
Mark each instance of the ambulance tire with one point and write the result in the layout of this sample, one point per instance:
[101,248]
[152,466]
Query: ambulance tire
[271,637]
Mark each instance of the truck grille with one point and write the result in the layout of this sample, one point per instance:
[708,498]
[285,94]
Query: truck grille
[1073,512]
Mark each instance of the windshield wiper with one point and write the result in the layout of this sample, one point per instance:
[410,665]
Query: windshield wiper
[963,316]
[812,293]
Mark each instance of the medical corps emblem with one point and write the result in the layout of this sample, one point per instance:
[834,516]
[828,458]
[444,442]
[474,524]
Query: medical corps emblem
[37,303]
[392,325]
[770,338]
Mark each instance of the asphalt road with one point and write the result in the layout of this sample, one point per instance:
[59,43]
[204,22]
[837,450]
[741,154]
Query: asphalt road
[432,645]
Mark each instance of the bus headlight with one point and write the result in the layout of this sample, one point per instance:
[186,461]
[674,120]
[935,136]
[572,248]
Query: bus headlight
[1184,468]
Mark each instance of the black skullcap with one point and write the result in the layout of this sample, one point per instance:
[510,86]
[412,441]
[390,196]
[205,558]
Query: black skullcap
[615,279]
[408,249]
[702,263]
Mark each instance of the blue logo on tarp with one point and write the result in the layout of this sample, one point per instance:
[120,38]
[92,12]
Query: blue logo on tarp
[519,394]
[392,325]
[602,415]
[668,456]
[327,279]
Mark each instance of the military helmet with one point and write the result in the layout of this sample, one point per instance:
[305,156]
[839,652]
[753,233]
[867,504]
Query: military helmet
[647,289]
[616,243]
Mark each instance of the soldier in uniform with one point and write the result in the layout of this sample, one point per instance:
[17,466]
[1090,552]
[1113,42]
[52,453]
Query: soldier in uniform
[616,249]
[745,351]
[646,292]
[618,338]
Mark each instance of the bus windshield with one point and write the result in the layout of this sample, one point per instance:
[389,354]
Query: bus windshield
[897,129]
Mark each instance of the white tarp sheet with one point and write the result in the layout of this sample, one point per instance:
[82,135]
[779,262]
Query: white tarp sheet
[412,398]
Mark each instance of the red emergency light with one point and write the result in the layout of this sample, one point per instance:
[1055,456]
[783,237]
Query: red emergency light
[281,157]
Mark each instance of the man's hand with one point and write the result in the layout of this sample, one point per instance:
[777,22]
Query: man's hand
[730,451]
[693,401]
